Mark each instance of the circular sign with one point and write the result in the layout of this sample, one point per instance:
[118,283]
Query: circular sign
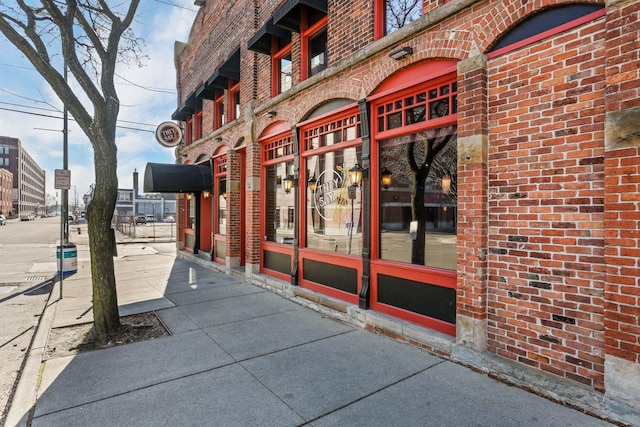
[169,134]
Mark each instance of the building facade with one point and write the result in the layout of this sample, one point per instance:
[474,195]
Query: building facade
[6,191]
[462,175]
[29,179]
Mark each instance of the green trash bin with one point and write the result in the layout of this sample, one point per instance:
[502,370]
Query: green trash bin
[69,257]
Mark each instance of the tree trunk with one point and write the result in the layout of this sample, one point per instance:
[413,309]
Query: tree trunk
[419,214]
[99,215]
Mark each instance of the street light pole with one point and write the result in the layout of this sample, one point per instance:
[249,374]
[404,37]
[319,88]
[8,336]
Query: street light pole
[65,166]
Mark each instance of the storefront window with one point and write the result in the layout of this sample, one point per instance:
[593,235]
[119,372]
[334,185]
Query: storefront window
[222,206]
[191,211]
[279,215]
[334,204]
[418,208]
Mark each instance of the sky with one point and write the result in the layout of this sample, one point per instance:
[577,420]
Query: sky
[147,96]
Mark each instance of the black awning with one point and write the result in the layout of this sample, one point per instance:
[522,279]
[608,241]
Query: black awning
[187,108]
[231,67]
[219,80]
[172,178]
[261,40]
[208,92]
[288,15]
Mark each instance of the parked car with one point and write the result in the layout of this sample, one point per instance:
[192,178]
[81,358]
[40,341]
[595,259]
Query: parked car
[3,220]
[25,218]
[151,218]
[141,220]
[169,219]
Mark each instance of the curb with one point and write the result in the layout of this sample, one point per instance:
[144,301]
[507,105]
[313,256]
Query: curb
[24,399]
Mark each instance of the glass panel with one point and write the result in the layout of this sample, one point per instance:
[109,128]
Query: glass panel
[399,13]
[418,210]
[222,206]
[439,108]
[334,207]
[278,226]
[416,114]
[394,120]
[236,103]
[285,73]
[191,214]
[318,53]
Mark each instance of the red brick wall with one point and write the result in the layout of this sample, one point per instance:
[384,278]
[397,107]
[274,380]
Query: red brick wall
[546,184]
[622,220]
[622,186]
[349,28]
[472,189]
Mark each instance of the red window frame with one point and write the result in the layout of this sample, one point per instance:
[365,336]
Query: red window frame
[307,33]
[188,131]
[220,171]
[276,72]
[234,107]
[431,275]
[277,147]
[339,120]
[218,111]
[197,125]
[379,18]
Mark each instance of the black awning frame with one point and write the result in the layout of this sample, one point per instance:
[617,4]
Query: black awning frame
[187,108]
[262,40]
[176,178]
[288,15]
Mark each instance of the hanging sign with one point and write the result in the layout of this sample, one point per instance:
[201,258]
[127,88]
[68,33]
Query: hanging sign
[169,134]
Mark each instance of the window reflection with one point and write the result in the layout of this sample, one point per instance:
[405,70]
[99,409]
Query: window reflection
[418,210]
[399,13]
[333,205]
[279,212]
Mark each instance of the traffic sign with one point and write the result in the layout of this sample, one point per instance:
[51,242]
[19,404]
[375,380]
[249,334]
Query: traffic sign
[62,179]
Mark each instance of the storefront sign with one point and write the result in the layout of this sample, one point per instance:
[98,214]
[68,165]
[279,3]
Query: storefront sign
[169,134]
[330,199]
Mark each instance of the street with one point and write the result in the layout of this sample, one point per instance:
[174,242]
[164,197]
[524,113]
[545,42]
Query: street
[27,265]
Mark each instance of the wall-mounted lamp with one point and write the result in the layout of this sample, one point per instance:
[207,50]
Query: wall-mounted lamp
[206,194]
[270,114]
[401,53]
[288,183]
[184,155]
[356,174]
[446,184]
[189,196]
[199,2]
[218,138]
[313,183]
[385,177]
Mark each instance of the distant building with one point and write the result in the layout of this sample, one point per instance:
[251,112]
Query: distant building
[6,191]
[130,203]
[29,179]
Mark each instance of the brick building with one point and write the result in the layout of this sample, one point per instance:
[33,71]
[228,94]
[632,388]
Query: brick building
[29,179]
[463,176]
[6,191]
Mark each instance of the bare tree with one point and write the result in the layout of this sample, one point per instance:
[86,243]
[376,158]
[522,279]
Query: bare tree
[92,36]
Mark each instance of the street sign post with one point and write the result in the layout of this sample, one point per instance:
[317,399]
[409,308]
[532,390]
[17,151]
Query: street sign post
[62,179]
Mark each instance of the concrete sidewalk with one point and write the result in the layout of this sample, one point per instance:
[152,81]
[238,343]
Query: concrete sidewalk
[242,356]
